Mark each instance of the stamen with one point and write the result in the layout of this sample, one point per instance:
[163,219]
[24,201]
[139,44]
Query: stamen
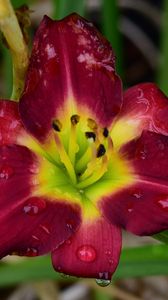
[101,150]
[98,173]
[105,132]
[56,124]
[82,162]
[90,154]
[73,146]
[91,124]
[75,119]
[90,135]
[65,158]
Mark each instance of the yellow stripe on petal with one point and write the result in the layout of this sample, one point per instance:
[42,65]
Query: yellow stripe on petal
[124,130]
[89,212]
[119,175]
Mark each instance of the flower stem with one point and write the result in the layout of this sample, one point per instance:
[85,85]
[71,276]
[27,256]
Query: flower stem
[10,28]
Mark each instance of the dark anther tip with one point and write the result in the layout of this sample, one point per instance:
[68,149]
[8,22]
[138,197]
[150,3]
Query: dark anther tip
[92,124]
[56,125]
[105,132]
[90,135]
[75,119]
[101,150]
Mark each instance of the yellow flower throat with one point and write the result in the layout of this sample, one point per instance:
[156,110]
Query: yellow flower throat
[91,165]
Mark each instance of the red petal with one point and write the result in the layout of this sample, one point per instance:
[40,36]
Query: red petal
[29,225]
[10,123]
[70,60]
[146,102]
[93,251]
[143,207]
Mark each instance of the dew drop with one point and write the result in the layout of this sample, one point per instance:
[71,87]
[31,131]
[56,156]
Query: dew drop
[34,169]
[103,279]
[6,172]
[163,202]
[63,275]
[70,224]
[45,229]
[31,252]
[68,242]
[136,193]
[108,252]
[86,253]
[34,206]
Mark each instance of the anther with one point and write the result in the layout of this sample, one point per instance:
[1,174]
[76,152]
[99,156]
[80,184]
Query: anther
[56,124]
[90,135]
[101,150]
[75,119]
[92,124]
[105,132]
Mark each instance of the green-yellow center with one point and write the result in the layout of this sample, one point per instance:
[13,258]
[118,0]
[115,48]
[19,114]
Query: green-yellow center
[85,160]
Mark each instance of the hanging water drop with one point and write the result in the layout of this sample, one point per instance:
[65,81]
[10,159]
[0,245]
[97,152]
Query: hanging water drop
[103,282]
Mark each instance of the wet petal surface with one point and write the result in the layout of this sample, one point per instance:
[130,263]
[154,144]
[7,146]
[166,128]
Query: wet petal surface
[144,107]
[30,224]
[71,65]
[93,251]
[10,124]
[142,206]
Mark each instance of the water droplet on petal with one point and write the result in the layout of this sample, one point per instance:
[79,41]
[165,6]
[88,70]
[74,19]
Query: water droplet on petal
[162,201]
[104,279]
[70,224]
[34,206]
[31,252]
[6,172]
[86,253]
[136,193]
[108,252]
[34,169]
[68,242]
[63,275]
[35,237]
[45,229]
[130,206]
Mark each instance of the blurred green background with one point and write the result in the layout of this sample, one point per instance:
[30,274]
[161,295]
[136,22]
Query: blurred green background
[138,32]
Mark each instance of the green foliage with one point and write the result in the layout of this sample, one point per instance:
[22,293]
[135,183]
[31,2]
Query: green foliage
[134,262]
[110,28]
[65,7]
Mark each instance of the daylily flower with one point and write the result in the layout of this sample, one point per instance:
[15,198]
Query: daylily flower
[78,161]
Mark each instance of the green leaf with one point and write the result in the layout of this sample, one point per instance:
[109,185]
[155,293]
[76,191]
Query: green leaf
[134,262]
[143,261]
[66,7]
[162,74]
[110,27]
[162,236]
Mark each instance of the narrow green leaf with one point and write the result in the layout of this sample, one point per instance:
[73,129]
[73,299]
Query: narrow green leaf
[143,261]
[110,27]
[134,262]
[162,236]
[66,7]
[162,73]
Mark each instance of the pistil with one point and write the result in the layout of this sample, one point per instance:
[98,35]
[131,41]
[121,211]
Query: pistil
[96,175]
[73,146]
